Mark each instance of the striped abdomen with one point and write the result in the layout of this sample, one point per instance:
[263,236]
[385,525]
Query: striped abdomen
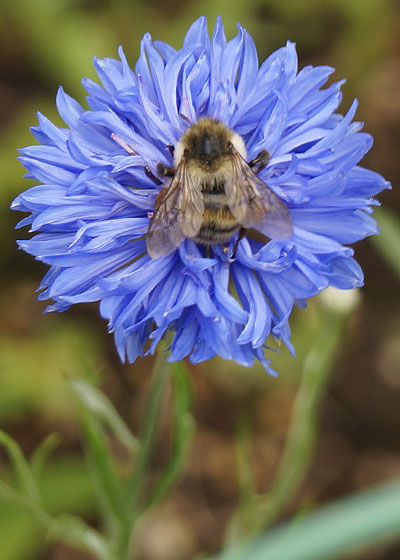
[218,223]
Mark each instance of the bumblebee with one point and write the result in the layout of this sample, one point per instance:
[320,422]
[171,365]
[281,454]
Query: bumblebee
[213,192]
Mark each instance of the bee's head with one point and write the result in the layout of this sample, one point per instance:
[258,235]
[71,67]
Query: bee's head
[207,143]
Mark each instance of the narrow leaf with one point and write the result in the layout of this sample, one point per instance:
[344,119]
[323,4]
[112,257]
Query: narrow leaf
[148,432]
[76,532]
[247,484]
[330,532]
[182,431]
[303,426]
[99,406]
[256,513]
[21,467]
[112,497]
[42,453]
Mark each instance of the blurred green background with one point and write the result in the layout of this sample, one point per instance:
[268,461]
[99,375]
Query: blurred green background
[44,43]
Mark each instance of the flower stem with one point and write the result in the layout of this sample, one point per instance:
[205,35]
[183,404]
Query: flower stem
[303,427]
[182,431]
[147,436]
[258,511]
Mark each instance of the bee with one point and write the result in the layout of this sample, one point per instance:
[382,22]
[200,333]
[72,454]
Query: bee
[213,192]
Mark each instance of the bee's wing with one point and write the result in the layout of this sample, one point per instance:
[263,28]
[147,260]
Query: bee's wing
[178,214]
[254,204]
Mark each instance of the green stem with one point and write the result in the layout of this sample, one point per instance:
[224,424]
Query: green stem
[334,531]
[146,438]
[247,487]
[387,243]
[255,515]
[68,528]
[110,494]
[182,430]
[303,427]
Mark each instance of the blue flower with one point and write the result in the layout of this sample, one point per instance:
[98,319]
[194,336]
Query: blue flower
[94,200]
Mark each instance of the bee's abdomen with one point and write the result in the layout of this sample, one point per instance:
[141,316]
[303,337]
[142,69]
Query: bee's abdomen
[218,223]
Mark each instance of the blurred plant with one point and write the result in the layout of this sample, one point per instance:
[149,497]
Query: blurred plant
[117,492]
[122,490]
[122,485]
[359,522]
[256,512]
[68,528]
[388,242]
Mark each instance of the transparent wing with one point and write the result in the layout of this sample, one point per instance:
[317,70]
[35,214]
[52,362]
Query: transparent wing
[254,204]
[178,214]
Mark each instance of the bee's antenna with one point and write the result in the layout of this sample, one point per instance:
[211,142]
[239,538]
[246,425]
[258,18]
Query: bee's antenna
[151,175]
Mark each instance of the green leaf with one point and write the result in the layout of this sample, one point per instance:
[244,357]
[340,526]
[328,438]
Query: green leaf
[42,453]
[182,430]
[68,528]
[75,531]
[112,497]
[101,408]
[330,532]
[303,426]
[148,430]
[65,487]
[256,513]
[247,485]
[21,467]
[388,242]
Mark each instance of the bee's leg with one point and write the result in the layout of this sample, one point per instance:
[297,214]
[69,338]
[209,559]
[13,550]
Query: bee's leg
[242,233]
[164,171]
[151,175]
[171,149]
[260,161]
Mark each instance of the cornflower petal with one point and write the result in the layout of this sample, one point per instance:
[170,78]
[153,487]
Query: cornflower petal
[91,208]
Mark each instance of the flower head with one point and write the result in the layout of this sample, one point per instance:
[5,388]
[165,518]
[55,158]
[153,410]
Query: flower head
[95,201]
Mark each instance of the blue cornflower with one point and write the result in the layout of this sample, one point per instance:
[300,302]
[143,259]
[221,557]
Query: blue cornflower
[93,206]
